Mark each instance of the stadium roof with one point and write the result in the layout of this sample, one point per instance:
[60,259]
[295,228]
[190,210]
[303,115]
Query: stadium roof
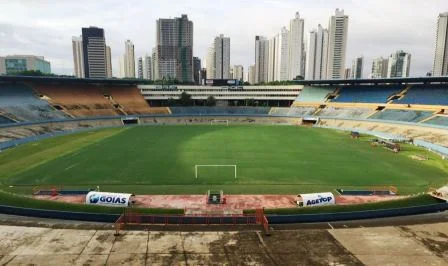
[71,80]
[115,81]
[421,80]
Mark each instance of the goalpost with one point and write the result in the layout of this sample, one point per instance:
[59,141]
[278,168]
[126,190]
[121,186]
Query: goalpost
[219,121]
[196,168]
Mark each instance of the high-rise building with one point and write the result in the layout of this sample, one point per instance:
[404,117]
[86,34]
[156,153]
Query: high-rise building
[317,54]
[129,60]
[108,62]
[222,57]
[13,64]
[238,72]
[210,63]
[174,49]
[203,76]
[261,59]
[153,64]
[78,61]
[296,47]
[337,45]
[357,66]
[147,68]
[398,65]
[140,68]
[122,66]
[197,70]
[347,73]
[251,75]
[440,65]
[272,58]
[282,57]
[379,67]
[94,52]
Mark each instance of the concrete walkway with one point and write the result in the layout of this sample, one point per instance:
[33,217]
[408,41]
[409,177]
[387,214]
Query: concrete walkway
[405,245]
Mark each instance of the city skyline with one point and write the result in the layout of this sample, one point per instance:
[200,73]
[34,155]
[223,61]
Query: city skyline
[374,30]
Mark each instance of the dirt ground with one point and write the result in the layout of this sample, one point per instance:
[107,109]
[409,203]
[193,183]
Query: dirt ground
[398,245]
[235,204]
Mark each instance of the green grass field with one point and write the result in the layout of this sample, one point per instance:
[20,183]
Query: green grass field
[269,159]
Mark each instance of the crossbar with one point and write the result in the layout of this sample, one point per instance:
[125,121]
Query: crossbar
[213,165]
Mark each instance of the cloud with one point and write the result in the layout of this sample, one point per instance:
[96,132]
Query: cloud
[376,28]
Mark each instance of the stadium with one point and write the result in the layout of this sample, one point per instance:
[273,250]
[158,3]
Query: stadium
[374,144]
[113,157]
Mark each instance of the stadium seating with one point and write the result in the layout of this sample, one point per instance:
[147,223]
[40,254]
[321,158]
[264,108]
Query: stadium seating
[293,111]
[20,103]
[366,94]
[5,120]
[438,120]
[349,112]
[129,98]
[429,94]
[79,100]
[220,110]
[402,115]
[313,94]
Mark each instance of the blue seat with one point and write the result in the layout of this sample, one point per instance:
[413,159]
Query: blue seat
[19,101]
[5,120]
[402,115]
[429,94]
[367,94]
[438,120]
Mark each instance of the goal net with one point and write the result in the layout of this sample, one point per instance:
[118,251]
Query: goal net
[215,170]
[219,122]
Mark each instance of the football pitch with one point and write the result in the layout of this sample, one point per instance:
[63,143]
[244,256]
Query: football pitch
[268,159]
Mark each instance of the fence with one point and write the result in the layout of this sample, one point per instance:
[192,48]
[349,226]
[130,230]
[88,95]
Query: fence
[131,218]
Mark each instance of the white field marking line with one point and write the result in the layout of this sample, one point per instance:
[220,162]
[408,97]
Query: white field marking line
[330,226]
[71,166]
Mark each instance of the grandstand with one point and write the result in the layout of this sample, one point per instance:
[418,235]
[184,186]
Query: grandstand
[426,94]
[41,100]
[402,115]
[5,120]
[345,112]
[367,94]
[220,110]
[438,120]
[296,111]
[79,100]
[314,94]
[19,103]
[130,100]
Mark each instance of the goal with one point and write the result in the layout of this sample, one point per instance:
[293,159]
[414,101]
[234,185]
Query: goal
[197,168]
[219,122]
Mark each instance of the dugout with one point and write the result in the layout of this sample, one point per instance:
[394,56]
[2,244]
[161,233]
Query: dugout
[130,120]
[310,121]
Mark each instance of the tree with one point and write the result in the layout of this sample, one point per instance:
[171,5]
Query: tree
[250,102]
[211,101]
[171,102]
[185,99]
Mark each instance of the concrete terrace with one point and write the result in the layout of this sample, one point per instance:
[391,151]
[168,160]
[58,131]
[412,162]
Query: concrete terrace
[399,245]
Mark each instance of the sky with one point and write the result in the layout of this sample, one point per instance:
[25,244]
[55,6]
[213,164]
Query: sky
[376,28]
